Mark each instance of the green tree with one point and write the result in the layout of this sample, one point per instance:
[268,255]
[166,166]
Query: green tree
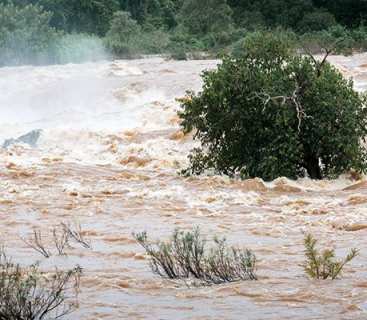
[122,34]
[272,113]
[157,13]
[285,13]
[25,34]
[91,16]
[205,16]
[348,12]
[316,21]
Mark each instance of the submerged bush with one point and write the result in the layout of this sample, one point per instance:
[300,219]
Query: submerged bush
[324,265]
[63,236]
[26,293]
[186,256]
[271,112]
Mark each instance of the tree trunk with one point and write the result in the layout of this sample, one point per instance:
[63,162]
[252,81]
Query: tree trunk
[312,166]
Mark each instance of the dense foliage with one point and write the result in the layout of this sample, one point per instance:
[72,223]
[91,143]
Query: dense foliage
[28,293]
[290,13]
[206,16]
[271,112]
[122,33]
[92,16]
[25,34]
[165,26]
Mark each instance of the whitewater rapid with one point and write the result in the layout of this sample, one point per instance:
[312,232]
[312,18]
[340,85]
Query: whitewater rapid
[108,157]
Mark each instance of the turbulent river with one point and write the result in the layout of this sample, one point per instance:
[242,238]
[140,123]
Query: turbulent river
[108,158]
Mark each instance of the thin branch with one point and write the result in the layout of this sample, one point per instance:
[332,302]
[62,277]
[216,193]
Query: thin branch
[37,243]
[293,99]
[328,51]
[77,234]
[62,241]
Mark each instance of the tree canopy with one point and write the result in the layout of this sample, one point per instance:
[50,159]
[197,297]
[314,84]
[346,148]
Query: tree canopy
[180,26]
[25,33]
[272,112]
[94,16]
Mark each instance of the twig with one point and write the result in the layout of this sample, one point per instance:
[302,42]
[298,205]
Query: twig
[61,242]
[37,244]
[266,98]
[77,234]
[328,52]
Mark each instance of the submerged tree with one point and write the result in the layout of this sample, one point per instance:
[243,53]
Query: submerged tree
[272,112]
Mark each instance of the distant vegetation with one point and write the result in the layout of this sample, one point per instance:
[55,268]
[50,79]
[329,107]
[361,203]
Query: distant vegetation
[26,35]
[33,31]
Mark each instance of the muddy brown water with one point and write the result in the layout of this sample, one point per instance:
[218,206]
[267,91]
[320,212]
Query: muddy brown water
[108,158]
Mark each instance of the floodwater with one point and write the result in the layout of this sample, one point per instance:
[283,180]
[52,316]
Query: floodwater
[108,159]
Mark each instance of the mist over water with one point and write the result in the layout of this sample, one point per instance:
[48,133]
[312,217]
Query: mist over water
[79,48]
[108,157]
[56,94]
[77,105]
[63,97]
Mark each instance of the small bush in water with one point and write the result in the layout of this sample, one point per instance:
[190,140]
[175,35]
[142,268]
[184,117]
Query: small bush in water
[186,256]
[28,294]
[324,265]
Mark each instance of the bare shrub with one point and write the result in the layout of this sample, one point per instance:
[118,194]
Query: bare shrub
[37,243]
[61,237]
[61,240]
[185,256]
[28,294]
[75,232]
[324,265]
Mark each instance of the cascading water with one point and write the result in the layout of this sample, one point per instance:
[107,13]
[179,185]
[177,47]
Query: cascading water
[108,157]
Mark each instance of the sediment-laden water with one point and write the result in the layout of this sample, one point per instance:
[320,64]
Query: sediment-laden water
[108,158]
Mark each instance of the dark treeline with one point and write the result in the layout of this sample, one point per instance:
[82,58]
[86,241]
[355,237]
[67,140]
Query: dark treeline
[129,27]
[298,14]
[94,16]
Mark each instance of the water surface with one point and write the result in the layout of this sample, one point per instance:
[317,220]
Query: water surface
[108,158]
